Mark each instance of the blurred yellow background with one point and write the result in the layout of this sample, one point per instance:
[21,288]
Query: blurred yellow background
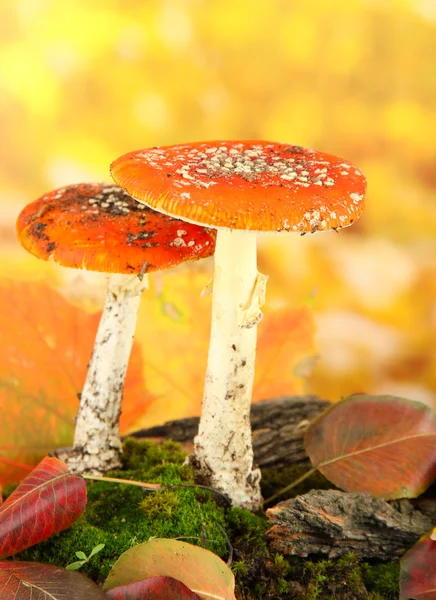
[84,81]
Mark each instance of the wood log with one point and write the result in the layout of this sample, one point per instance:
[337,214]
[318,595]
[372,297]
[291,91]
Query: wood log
[333,523]
[278,427]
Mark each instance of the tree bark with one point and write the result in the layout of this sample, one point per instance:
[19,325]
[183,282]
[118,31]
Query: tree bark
[334,523]
[278,426]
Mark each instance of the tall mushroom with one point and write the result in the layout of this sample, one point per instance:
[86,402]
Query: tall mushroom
[101,228]
[241,189]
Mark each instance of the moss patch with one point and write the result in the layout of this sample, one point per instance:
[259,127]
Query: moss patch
[341,580]
[121,516]
[383,579]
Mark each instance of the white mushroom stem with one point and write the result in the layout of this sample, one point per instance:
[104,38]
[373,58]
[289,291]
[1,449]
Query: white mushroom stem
[223,453]
[97,444]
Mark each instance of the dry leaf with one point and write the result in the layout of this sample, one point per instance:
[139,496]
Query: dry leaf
[47,501]
[200,570]
[35,581]
[378,444]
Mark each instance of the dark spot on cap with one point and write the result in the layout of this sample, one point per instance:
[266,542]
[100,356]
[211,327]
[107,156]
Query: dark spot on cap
[37,230]
[134,238]
[40,226]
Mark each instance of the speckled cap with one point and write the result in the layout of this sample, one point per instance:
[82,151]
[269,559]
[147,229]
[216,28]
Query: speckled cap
[101,228]
[254,185]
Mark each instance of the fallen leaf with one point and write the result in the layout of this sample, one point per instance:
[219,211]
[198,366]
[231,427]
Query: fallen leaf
[154,588]
[200,570]
[47,501]
[46,345]
[383,445]
[35,581]
[418,571]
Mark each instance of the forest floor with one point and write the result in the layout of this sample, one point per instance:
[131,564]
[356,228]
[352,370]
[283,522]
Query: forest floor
[120,516]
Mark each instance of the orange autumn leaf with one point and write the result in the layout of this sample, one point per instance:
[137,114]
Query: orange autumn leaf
[173,330]
[46,345]
[285,349]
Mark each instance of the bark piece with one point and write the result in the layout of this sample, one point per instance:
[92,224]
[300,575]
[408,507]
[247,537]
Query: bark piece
[278,426]
[334,523]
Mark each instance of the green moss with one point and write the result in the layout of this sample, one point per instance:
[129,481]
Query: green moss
[383,579]
[161,506]
[247,532]
[345,579]
[338,580]
[258,572]
[142,456]
[240,569]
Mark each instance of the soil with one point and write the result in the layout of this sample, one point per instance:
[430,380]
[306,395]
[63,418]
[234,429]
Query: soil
[120,516]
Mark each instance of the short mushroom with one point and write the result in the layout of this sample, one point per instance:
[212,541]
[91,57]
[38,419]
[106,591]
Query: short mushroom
[101,228]
[241,189]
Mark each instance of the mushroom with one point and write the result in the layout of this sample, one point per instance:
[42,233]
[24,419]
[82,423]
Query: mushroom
[241,189]
[101,228]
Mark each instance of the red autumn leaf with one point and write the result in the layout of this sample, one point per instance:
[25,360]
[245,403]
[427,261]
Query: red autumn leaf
[46,346]
[154,588]
[418,571]
[200,570]
[34,581]
[383,445]
[49,500]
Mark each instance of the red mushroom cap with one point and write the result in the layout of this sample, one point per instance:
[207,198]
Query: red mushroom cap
[101,228]
[254,185]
